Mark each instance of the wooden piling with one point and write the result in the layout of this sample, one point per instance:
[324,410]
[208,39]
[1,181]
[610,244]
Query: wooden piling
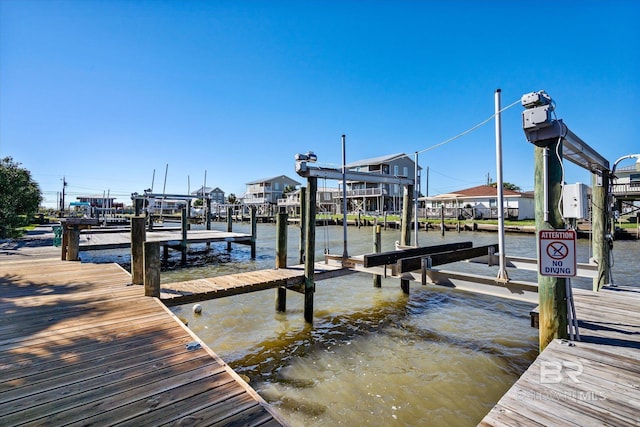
[551,290]
[254,230]
[183,242]
[73,243]
[599,221]
[152,269]
[377,248]
[138,237]
[405,237]
[208,213]
[281,258]
[65,243]
[281,240]
[407,205]
[442,227]
[208,218]
[310,242]
[229,225]
[139,205]
[303,223]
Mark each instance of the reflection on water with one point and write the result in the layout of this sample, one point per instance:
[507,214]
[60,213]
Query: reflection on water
[374,356]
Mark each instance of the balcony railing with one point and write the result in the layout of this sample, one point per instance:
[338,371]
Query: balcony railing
[626,189]
[468,213]
[362,192]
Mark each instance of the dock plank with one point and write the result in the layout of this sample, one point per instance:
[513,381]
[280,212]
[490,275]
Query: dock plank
[79,344]
[595,381]
[91,241]
[191,291]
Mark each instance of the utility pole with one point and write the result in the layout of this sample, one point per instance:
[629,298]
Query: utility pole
[64,185]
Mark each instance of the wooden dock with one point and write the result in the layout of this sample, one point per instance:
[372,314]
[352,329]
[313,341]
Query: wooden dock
[241,283]
[122,239]
[80,345]
[595,381]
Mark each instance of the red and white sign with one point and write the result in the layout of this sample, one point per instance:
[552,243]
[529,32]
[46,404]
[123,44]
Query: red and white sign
[557,249]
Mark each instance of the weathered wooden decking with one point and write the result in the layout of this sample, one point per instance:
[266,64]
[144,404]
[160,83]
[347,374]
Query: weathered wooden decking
[241,283]
[595,381]
[116,240]
[79,345]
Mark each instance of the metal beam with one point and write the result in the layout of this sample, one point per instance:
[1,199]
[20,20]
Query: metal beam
[305,170]
[574,149]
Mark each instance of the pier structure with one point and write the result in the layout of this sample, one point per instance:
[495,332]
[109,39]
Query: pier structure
[553,141]
[593,381]
[94,307]
[80,345]
[80,236]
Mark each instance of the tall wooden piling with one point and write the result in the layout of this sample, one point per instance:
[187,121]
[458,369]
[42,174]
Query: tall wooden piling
[281,257]
[152,269]
[254,230]
[229,225]
[310,242]
[407,205]
[551,290]
[138,237]
[303,223]
[405,237]
[599,222]
[183,242]
[207,220]
[377,248]
[281,240]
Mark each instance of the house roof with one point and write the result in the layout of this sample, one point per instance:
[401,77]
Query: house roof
[207,190]
[96,196]
[633,168]
[199,190]
[477,192]
[376,160]
[259,181]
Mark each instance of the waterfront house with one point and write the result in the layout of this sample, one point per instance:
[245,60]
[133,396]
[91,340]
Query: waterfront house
[324,201]
[264,193]
[97,205]
[625,188]
[215,194]
[99,201]
[369,197]
[480,202]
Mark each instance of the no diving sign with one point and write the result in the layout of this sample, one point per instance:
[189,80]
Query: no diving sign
[557,249]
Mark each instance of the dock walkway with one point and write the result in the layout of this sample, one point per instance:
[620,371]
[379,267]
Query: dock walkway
[241,283]
[117,240]
[79,345]
[595,381]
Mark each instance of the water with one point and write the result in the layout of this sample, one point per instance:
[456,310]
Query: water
[375,356]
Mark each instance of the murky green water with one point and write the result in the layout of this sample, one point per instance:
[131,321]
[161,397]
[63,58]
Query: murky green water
[376,356]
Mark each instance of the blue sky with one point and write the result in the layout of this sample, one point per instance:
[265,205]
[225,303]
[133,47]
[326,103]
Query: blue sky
[106,92]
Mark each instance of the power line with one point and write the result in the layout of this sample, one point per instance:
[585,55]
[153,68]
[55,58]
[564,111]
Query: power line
[470,129]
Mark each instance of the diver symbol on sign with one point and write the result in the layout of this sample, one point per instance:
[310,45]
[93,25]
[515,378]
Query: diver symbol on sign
[557,250]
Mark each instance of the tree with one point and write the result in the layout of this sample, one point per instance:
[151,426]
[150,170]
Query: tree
[231,198]
[20,196]
[507,185]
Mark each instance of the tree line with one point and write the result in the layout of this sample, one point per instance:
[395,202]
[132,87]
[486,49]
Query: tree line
[20,197]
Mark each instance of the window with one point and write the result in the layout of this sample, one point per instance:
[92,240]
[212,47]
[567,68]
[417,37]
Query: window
[405,171]
[395,170]
[276,186]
